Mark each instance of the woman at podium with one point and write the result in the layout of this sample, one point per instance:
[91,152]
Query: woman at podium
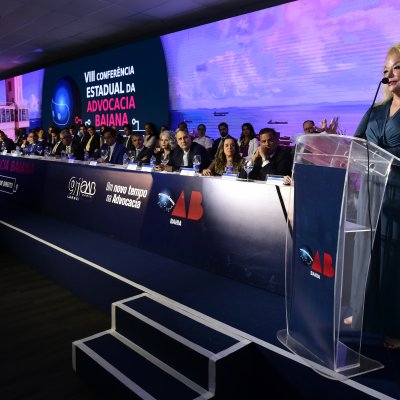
[381,126]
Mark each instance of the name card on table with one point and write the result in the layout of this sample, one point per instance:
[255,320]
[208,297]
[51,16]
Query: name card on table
[231,177]
[71,160]
[276,180]
[93,162]
[147,168]
[188,172]
[132,166]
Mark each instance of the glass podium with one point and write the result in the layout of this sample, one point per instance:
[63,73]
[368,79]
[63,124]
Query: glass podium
[336,196]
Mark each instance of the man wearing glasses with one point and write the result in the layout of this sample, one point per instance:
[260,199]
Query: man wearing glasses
[72,148]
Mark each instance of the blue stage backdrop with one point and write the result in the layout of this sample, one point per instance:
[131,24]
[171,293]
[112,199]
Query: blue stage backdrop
[125,85]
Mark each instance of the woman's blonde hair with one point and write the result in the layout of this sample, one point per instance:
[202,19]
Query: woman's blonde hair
[387,94]
[171,138]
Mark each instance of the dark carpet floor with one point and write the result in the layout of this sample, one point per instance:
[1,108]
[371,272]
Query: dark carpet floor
[39,320]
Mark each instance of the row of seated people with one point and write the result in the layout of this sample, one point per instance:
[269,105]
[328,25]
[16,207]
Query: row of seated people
[176,150]
[37,139]
[87,135]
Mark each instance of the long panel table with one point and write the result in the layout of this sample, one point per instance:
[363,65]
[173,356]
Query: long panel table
[230,227]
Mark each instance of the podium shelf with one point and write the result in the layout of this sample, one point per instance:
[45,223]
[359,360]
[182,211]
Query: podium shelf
[353,227]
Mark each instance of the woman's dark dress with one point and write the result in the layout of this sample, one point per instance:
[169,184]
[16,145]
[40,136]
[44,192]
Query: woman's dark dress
[383,294]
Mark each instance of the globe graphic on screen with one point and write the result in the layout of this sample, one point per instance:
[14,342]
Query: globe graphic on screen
[65,103]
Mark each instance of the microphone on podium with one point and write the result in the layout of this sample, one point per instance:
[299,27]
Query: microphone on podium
[362,135]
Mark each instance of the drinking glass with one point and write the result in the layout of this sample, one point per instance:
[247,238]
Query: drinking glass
[131,155]
[47,152]
[104,154]
[248,167]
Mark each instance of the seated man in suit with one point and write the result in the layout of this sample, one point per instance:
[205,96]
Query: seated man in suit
[270,158]
[224,132]
[92,142]
[73,148]
[183,154]
[115,149]
[136,150]
[83,135]
[128,130]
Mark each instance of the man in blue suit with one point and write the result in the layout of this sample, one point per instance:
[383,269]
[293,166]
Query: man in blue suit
[116,150]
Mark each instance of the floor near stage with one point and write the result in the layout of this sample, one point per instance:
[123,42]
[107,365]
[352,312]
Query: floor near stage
[39,320]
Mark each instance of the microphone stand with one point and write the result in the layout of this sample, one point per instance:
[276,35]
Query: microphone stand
[363,135]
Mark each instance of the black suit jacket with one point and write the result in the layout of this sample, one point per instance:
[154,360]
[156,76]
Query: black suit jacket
[143,157]
[159,156]
[280,164]
[83,139]
[195,149]
[95,144]
[56,148]
[116,156]
[215,147]
[76,150]
[118,153]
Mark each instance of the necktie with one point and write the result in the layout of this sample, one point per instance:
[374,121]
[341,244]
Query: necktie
[55,147]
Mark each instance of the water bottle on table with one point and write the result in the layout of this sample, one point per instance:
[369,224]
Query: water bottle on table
[196,162]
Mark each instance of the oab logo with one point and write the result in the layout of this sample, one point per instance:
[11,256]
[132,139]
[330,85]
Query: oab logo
[78,188]
[318,268]
[178,210]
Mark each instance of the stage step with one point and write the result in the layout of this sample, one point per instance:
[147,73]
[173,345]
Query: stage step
[121,370]
[153,341]
[176,337]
